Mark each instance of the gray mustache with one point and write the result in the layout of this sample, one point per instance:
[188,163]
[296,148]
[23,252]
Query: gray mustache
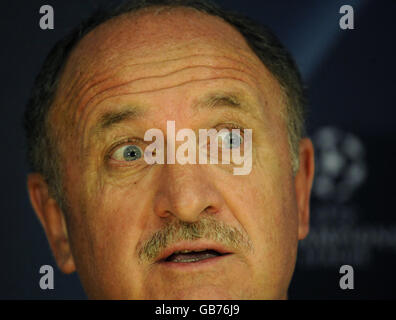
[207,228]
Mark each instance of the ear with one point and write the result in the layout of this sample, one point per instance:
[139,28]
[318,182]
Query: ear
[53,221]
[303,184]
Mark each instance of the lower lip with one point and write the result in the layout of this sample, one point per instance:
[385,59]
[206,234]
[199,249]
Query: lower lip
[194,265]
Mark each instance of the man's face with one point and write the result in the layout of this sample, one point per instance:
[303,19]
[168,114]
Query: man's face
[135,73]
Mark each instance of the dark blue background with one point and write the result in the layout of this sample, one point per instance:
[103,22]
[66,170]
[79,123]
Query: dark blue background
[350,75]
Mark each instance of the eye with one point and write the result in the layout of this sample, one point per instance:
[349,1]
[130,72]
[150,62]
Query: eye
[230,140]
[128,152]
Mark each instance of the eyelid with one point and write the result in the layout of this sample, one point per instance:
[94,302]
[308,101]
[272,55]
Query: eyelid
[232,126]
[229,127]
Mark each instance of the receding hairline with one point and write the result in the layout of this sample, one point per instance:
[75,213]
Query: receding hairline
[156,10]
[107,27]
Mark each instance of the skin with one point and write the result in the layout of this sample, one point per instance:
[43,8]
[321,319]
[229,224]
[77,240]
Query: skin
[148,60]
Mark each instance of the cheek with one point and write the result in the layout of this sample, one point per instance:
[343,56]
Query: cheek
[266,208]
[264,204]
[108,231]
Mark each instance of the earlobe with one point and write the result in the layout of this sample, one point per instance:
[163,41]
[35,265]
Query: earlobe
[52,219]
[303,184]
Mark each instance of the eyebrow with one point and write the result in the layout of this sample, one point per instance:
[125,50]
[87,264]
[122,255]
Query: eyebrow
[219,99]
[223,100]
[111,118]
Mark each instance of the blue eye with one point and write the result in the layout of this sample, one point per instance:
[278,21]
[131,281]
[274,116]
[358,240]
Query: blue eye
[128,153]
[231,140]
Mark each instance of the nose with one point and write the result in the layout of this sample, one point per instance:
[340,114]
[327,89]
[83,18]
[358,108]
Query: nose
[185,192]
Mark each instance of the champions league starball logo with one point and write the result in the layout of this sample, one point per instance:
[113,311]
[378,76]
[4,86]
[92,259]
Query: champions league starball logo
[340,165]
[338,234]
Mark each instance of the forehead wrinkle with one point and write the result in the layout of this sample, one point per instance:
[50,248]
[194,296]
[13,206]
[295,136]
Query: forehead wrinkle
[110,40]
[100,79]
[100,99]
[123,84]
[165,88]
[240,56]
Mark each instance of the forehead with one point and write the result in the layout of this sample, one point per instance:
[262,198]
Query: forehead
[150,29]
[141,46]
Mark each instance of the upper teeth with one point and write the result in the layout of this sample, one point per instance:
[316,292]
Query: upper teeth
[187,251]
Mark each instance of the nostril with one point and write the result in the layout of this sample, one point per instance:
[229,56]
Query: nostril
[210,209]
[165,214]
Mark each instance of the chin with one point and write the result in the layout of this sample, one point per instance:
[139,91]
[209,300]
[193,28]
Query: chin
[202,293]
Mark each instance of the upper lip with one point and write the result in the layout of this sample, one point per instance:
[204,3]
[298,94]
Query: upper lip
[193,246]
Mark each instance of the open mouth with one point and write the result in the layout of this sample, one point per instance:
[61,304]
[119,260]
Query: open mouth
[186,256]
